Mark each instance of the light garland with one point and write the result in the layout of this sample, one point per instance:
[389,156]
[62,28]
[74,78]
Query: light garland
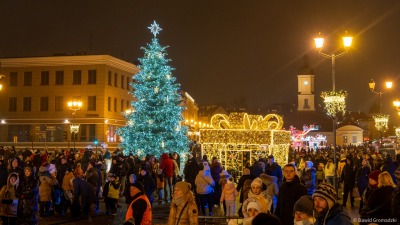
[397,131]
[381,122]
[335,102]
[74,128]
[240,138]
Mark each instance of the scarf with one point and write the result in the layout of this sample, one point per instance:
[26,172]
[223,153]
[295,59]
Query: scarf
[181,201]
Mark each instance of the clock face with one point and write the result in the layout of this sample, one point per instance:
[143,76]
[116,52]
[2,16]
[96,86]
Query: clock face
[306,83]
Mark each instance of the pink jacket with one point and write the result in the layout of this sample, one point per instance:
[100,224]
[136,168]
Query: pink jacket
[229,192]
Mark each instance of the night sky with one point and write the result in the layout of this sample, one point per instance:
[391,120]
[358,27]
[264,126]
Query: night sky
[234,52]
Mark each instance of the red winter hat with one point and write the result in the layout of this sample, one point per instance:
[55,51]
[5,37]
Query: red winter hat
[374,175]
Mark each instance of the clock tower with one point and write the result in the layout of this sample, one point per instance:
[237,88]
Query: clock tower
[305,93]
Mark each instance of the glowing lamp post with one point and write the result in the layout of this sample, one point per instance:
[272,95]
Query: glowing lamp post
[335,101]
[74,106]
[381,121]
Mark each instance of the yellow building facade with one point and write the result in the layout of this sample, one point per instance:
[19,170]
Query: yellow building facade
[33,102]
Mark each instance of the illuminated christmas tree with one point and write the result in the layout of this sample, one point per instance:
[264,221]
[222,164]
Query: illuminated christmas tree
[154,123]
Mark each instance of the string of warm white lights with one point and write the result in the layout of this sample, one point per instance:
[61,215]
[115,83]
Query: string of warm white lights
[241,138]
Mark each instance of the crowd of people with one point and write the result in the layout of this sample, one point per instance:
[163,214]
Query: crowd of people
[74,183]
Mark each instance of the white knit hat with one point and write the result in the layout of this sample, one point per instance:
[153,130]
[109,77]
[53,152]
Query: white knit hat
[256,182]
[254,205]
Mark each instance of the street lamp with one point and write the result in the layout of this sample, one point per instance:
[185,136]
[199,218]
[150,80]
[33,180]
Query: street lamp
[74,106]
[335,101]
[381,121]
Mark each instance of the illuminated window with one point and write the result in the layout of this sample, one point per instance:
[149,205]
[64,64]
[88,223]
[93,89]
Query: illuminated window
[344,139]
[354,139]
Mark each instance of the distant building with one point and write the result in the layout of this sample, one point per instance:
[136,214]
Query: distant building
[33,102]
[34,111]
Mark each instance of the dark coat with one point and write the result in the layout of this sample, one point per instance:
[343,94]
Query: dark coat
[241,187]
[289,193]
[390,167]
[396,204]
[308,178]
[27,194]
[216,170]
[275,170]
[149,186]
[335,216]
[362,178]
[85,190]
[349,175]
[190,171]
[379,203]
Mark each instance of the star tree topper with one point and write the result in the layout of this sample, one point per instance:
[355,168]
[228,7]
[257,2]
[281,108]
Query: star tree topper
[155,29]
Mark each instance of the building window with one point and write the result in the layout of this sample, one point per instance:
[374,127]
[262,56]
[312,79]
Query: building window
[27,78]
[111,133]
[116,80]
[59,77]
[344,139]
[128,106]
[59,103]
[27,104]
[109,78]
[115,104]
[87,132]
[44,103]
[92,77]
[354,139]
[12,104]
[122,81]
[91,103]
[76,77]
[122,105]
[127,83]
[44,78]
[19,132]
[13,79]
[109,103]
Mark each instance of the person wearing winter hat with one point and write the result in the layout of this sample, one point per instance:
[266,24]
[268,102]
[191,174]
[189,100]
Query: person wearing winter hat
[140,207]
[8,212]
[309,177]
[204,188]
[329,211]
[303,211]
[372,186]
[183,209]
[253,206]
